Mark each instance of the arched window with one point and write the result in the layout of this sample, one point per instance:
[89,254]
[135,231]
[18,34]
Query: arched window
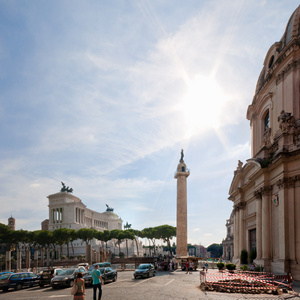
[267,122]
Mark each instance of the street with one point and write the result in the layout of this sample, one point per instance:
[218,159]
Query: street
[165,285]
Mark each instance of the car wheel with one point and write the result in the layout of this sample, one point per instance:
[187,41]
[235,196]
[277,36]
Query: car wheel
[5,289]
[41,285]
[148,275]
[134,277]
[71,283]
[18,286]
[153,273]
[115,279]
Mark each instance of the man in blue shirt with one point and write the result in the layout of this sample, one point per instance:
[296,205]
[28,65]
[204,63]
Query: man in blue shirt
[97,282]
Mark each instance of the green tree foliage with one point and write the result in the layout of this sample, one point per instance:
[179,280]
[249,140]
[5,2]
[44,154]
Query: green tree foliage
[166,233]
[86,234]
[216,250]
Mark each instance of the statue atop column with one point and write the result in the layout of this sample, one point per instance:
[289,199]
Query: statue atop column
[182,155]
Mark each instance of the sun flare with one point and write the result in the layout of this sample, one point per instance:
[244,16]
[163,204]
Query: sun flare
[202,104]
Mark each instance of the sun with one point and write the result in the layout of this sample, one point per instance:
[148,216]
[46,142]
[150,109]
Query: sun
[202,105]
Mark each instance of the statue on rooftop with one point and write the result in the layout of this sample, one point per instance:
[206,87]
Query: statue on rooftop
[66,188]
[127,226]
[109,208]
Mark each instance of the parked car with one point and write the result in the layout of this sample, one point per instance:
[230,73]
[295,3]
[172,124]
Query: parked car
[18,280]
[4,281]
[47,275]
[66,277]
[101,265]
[85,265]
[107,274]
[2,273]
[144,270]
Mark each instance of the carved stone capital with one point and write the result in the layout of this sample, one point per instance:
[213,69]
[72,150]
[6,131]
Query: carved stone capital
[287,182]
[263,191]
[239,206]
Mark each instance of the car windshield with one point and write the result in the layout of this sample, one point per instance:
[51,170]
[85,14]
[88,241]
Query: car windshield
[67,272]
[4,276]
[143,266]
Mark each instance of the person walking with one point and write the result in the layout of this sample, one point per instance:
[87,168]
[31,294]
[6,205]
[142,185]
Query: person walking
[97,282]
[81,287]
[187,266]
[206,267]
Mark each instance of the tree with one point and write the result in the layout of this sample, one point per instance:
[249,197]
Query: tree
[129,235]
[216,250]
[62,237]
[149,234]
[106,237]
[167,232]
[137,233]
[86,234]
[73,237]
[119,235]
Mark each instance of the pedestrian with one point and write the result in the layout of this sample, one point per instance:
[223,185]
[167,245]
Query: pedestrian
[170,266]
[190,267]
[206,266]
[187,266]
[81,287]
[203,266]
[97,282]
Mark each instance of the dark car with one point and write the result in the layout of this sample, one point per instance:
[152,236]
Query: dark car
[144,270]
[107,274]
[101,265]
[66,277]
[18,280]
[2,273]
[47,275]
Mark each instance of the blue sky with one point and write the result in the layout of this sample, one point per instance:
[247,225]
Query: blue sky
[103,95]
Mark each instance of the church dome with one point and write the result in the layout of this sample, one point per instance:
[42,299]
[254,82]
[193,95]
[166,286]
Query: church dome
[276,53]
[293,28]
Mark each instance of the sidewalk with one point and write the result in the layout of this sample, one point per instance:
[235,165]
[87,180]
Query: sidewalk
[296,286]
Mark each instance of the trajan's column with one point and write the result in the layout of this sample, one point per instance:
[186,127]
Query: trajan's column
[181,233]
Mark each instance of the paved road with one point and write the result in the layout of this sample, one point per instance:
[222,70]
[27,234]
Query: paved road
[165,285]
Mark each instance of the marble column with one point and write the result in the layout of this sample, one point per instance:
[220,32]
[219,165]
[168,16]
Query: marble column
[241,229]
[8,260]
[297,220]
[291,222]
[258,228]
[181,221]
[266,226]
[19,260]
[236,234]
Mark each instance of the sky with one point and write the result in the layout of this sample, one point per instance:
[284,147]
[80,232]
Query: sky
[103,95]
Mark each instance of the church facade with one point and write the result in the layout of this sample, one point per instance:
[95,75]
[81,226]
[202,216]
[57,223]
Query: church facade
[265,191]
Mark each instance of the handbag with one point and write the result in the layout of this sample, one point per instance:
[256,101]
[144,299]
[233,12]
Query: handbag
[74,289]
